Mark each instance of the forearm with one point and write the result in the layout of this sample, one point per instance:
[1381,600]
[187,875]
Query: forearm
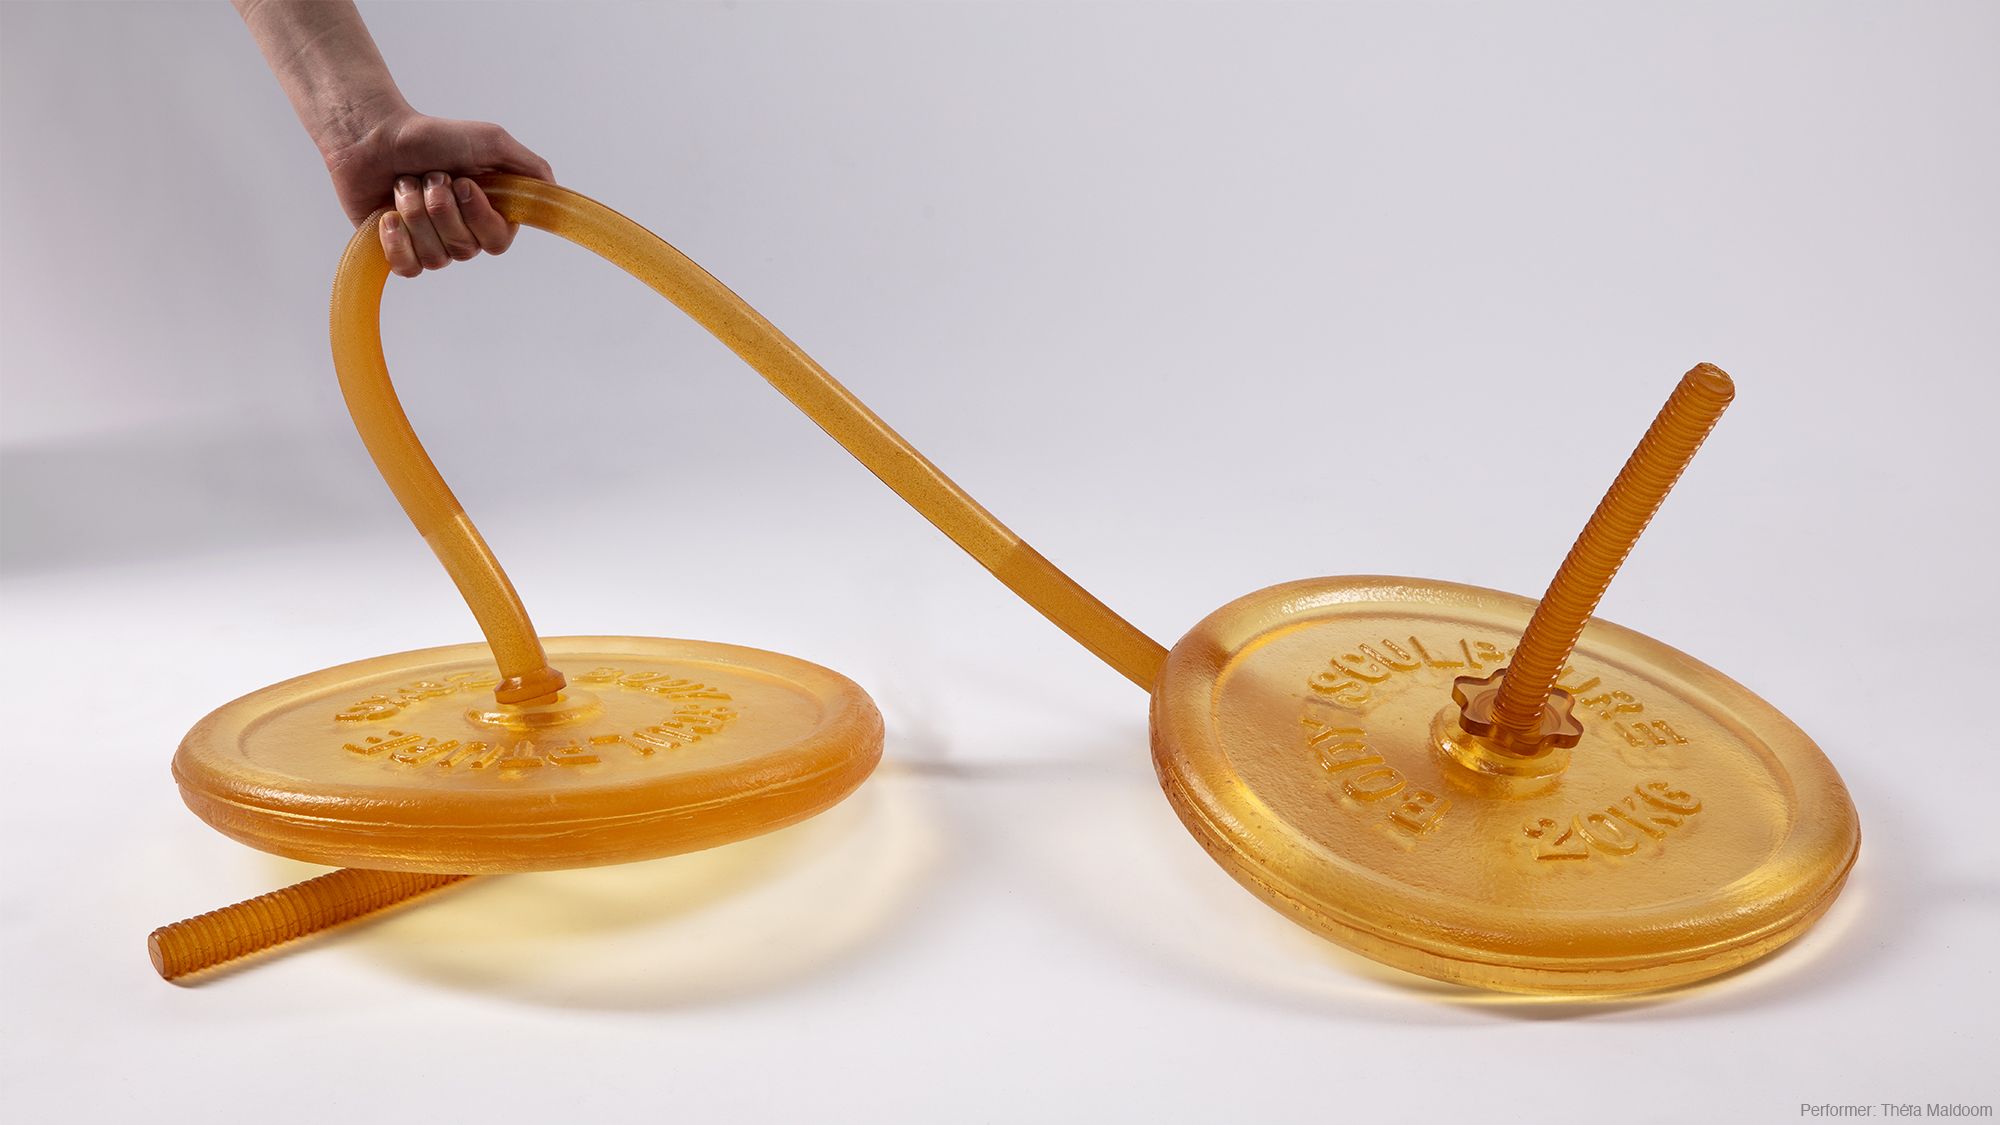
[412,173]
[329,67]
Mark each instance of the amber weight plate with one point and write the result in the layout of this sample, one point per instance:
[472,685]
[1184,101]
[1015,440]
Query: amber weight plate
[1306,735]
[405,763]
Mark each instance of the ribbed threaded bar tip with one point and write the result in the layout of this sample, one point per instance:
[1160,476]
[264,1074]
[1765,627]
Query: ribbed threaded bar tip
[221,936]
[1642,485]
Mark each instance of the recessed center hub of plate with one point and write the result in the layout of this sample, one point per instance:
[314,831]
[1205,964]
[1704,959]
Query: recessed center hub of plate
[569,708]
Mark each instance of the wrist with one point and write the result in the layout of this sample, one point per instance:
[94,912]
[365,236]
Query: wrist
[352,124]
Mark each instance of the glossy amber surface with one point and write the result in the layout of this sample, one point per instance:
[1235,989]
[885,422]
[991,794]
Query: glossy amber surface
[355,322]
[1307,736]
[406,763]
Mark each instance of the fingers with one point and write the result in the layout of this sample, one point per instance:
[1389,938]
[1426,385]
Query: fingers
[397,247]
[487,225]
[409,200]
[438,221]
[442,207]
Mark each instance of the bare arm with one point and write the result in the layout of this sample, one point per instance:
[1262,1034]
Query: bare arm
[380,151]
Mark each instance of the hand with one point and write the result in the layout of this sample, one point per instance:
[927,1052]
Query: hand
[418,165]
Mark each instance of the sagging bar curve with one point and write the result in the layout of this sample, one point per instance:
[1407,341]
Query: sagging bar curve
[430,504]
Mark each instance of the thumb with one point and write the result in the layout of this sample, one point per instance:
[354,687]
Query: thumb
[505,154]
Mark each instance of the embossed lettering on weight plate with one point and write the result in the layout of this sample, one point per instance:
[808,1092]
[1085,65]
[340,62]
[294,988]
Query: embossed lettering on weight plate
[702,711]
[1373,783]
[389,703]
[1352,676]
[1652,811]
[1352,683]
[686,725]
[663,684]
[386,704]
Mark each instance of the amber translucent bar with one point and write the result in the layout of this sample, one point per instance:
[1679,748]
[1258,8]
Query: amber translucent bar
[1614,528]
[371,399]
[287,914]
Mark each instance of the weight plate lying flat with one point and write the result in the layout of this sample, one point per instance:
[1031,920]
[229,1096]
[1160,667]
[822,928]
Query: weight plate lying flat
[405,762]
[1306,733]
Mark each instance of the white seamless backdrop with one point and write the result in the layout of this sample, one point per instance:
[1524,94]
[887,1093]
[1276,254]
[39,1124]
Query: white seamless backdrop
[1199,298]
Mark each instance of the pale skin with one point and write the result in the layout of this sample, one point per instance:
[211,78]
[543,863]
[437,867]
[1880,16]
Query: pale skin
[381,152]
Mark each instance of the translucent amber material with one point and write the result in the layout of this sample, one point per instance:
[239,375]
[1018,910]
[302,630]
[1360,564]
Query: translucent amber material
[371,398]
[395,764]
[1306,736]
[1520,695]
[270,920]
[405,763]
[1617,817]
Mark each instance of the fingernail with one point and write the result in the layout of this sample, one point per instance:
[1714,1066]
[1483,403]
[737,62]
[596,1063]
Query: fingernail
[392,222]
[405,185]
[465,191]
[434,180]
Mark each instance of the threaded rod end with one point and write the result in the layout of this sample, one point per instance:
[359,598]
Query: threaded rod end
[220,936]
[1670,443]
